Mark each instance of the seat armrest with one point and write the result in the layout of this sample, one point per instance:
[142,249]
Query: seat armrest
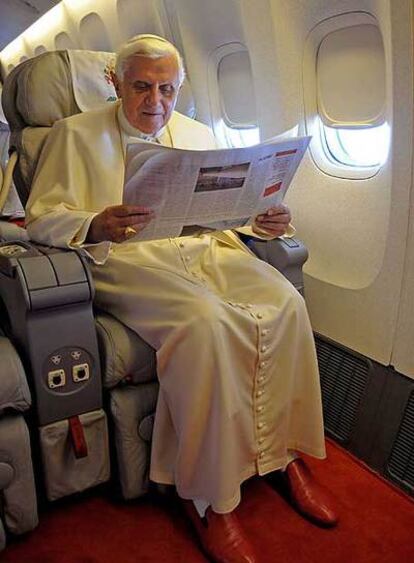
[48,295]
[14,391]
[287,255]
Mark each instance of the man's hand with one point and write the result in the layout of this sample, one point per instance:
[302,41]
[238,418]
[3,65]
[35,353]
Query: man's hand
[118,223]
[274,221]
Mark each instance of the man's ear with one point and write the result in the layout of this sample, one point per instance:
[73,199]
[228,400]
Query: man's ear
[116,84]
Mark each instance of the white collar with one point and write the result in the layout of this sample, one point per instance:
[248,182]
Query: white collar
[132,131]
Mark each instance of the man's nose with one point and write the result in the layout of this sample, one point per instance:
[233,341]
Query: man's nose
[154,96]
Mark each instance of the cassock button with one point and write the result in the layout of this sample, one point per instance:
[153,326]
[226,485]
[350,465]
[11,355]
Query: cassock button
[259,393]
[181,245]
[259,409]
[187,258]
[261,440]
[263,348]
[261,454]
[260,425]
[262,365]
[261,379]
[265,332]
[259,315]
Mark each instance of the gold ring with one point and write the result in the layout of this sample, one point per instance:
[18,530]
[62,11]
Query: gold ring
[129,232]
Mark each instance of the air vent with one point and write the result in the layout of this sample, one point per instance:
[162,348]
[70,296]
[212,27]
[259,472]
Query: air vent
[344,377]
[401,462]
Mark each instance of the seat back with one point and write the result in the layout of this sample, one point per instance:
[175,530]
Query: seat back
[52,86]
[37,93]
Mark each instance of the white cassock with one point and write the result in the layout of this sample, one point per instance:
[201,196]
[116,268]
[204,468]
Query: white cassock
[239,384]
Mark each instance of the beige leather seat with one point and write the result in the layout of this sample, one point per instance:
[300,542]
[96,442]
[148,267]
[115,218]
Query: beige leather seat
[18,507]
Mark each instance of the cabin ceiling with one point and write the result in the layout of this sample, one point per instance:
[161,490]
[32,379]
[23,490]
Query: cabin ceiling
[18,15]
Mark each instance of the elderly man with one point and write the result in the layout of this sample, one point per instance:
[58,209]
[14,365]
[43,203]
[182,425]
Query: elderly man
[239,390]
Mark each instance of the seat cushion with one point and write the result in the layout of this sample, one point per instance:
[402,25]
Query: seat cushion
[124,355]
[14,391]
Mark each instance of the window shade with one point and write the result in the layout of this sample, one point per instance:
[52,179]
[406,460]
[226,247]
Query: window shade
[237,97]
[351,77]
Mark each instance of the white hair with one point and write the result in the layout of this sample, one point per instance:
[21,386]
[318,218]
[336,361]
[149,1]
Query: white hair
[151,46]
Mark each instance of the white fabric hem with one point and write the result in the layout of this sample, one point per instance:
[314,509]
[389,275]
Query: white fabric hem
[230,504]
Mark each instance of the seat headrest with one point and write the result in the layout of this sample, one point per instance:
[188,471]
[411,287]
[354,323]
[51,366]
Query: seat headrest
[46,88]
[91,78]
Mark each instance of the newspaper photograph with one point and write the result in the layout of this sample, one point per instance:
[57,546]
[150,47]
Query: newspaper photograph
[214,189]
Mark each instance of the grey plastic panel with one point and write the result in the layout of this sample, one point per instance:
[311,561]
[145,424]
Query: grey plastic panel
[48,297]
[66,266]
[38,272]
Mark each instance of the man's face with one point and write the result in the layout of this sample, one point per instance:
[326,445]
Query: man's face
[149,91]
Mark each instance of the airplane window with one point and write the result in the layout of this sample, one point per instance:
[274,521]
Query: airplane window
[94,33]
[39,50]
[345,95]
[234,137]
[232,96]
[63,41]
[358,147]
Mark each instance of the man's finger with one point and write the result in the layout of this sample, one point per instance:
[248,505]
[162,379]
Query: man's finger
[281,218]
[280,209]
[130,210]
[137,219]
[270,225]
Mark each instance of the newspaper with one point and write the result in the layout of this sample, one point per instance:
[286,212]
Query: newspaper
[214,189]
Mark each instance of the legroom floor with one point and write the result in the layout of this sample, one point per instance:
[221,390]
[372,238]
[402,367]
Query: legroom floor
[377,525]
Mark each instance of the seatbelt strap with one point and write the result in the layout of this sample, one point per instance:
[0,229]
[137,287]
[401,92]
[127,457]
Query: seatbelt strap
[77,437]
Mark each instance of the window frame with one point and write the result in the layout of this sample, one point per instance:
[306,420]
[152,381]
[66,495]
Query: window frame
[318,147]
[219,122]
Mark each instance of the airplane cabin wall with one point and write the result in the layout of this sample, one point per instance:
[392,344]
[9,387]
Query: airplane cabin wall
[356,229]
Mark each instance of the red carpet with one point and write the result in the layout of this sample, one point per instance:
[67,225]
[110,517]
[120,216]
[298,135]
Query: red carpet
[377,526]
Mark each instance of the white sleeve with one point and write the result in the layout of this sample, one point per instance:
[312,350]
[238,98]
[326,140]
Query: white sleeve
[58,212]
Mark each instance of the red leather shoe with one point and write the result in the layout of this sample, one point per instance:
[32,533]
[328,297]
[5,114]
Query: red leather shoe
[308,497]
[221,536]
